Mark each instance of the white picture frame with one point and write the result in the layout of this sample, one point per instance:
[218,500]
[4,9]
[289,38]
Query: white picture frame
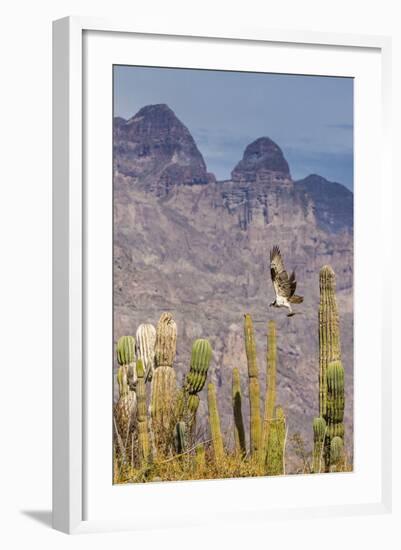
[70,257]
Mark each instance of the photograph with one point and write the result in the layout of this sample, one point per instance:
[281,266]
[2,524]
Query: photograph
[233,265]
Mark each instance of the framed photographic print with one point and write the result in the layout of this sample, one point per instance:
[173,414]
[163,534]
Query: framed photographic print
[219,252]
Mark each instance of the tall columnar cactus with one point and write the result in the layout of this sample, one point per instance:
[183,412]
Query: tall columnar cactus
[254,389]
[239,431]
[163,381]
[319,434]
[336,454]
[214,423]
[143,435]
[275,455]
[126,357]
[145,343]
[329,331]
[271,372]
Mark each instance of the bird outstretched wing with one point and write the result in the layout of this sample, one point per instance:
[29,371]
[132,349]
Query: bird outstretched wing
[284,286]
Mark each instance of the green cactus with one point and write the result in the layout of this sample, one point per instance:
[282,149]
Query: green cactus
[145,346]
[270,400]
[142,419]
[335,402]
[126,357]
[214,423]
[195,380]
[180,437]
[319,434]
[329,331]
[275,455]
[163,388]
[126,350]
[254,389]
[336,454]
[200,361]
[239,431]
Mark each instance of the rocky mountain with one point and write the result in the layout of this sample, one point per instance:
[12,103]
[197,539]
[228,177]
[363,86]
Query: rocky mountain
[157,149]
[333,203]
[187,243]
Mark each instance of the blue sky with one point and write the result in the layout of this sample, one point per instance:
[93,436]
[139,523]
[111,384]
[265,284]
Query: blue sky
[309,117]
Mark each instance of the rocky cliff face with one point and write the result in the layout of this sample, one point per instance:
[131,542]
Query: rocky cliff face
[199,248]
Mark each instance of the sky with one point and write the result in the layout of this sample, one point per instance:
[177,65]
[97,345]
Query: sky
[309,117]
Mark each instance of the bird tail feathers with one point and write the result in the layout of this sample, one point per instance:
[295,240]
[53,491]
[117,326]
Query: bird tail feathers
[296,299]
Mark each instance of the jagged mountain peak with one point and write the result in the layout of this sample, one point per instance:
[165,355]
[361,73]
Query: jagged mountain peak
[157,151]
[263,157]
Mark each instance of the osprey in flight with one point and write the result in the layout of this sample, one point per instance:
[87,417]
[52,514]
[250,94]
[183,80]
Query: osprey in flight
[284,286]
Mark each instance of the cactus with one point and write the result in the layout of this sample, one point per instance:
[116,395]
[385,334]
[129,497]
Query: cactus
[275,455]
[163,381]
[124,410]
[319,434]
[214,423]
[335,400]
[126,357]
[166,341]
[145,341]
[126,350]
[143,435]
[329,331]
[270,400]
[336,454]
[180,437]
[195,380]
[239,431]
[200,360]
[254,389]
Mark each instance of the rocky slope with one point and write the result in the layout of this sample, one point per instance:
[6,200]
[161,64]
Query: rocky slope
[199,248]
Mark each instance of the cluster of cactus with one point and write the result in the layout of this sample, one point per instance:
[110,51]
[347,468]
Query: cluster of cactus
[172,414]
[331,377]
[150,358]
